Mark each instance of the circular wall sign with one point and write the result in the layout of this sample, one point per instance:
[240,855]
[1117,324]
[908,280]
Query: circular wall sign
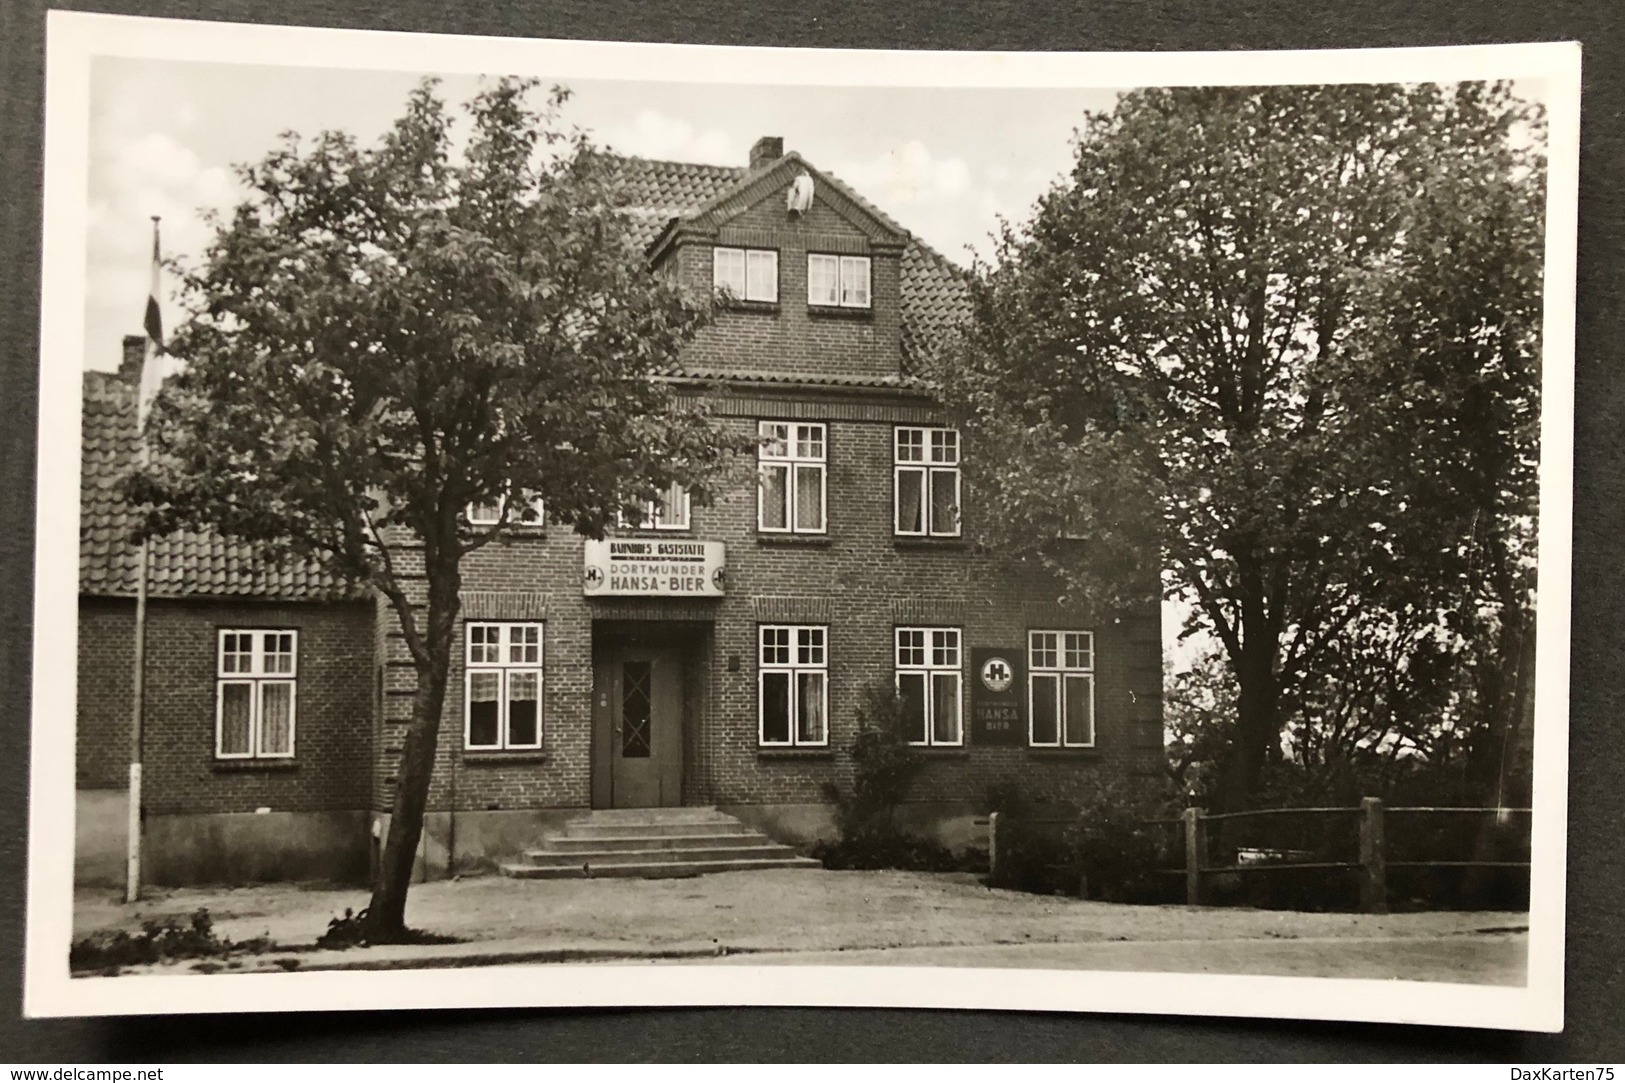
[997,674]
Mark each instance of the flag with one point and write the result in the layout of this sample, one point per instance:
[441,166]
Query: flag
[152,367]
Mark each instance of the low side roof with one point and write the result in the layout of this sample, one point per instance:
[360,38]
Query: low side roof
[185,564]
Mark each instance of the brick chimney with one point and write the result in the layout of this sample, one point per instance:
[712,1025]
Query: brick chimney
[134,356]
[766,151]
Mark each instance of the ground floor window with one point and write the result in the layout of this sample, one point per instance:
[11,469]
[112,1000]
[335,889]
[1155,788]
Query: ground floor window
[503,689]
[793,703]
[928,685]
[1061,689]
[255,677]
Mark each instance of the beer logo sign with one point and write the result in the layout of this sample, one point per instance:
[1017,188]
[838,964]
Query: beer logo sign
[997,674]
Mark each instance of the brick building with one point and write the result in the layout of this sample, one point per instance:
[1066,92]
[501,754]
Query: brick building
[713,655]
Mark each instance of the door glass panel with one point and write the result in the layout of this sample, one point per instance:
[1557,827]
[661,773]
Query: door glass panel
[636,697]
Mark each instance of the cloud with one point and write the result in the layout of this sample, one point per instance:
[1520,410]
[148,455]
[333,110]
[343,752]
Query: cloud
[135,175]
[652,134]
[939,197]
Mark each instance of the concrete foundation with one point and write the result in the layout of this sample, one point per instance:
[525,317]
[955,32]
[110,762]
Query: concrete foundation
[472,842]
[949,824]
[247,847]
[99,837]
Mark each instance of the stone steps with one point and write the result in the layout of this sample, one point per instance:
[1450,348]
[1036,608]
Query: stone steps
[652,843]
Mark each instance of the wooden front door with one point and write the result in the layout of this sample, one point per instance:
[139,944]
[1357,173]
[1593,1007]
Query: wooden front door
[644,692]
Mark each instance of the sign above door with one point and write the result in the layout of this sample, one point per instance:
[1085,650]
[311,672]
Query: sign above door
[653,567]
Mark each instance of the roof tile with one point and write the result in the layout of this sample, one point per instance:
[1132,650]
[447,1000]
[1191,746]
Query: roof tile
[188,563]
[934,301]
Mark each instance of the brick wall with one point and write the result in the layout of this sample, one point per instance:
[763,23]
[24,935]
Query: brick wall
[859,580]
[333,734]
[791,336]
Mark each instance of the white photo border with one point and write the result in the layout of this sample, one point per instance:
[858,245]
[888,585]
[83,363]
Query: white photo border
[74,39]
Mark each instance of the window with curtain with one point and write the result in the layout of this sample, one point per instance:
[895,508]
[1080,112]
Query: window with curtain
[502,687]
[1061,689]
[748,274]
[255,701]
[928,684]
[838,281]
[791,461]
[925,480]
[793,679]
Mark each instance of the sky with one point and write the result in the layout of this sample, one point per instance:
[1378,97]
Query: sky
[945,163]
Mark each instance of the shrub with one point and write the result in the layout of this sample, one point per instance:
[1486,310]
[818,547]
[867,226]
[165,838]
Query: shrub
[349,930]
[1101,848]
[158,941]
[884,765]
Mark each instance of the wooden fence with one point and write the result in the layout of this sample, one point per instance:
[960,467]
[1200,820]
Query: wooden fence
[1361,832]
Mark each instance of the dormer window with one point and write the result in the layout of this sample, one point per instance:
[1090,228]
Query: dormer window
[838,281]
[746,274]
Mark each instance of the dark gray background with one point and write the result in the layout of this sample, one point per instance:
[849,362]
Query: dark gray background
[1595,855]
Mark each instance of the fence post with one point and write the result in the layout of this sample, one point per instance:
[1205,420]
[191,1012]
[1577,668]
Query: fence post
[992,848]
[1373,858]
[1195,855]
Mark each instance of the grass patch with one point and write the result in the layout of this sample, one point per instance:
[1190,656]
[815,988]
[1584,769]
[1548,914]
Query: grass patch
[159,940]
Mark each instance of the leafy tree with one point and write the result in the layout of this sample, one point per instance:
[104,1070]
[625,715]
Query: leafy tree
[380,336]
[1285,339]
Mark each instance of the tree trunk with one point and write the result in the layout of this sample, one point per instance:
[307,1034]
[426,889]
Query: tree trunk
[1257,724]
[386,913]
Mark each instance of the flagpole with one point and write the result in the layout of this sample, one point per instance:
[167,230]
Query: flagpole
[150,375]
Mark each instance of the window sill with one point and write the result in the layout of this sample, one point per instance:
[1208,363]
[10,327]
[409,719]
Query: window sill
[520,532]
[1090,753]
[252,766]
[740,304]
[810,541]
[942,752]
[518,756]
[954,544]
[839,312]
[816,754]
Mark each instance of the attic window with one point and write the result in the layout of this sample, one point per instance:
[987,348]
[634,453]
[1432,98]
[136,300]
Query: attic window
[746,274]
[838,281]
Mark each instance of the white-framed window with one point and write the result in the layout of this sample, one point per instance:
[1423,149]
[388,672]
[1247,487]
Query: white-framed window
[488,512]
[1060,689]
[838,281]
[790,496]
[502,690]
[670,512]
[793,685]
[925,479]
[928,683]
[254,695]
[750,274]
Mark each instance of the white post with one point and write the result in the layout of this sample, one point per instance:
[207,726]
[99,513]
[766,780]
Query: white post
[132,827]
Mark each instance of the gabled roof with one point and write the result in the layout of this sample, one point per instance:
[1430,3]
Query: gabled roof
[186,564]
[934,300]
[935,295]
